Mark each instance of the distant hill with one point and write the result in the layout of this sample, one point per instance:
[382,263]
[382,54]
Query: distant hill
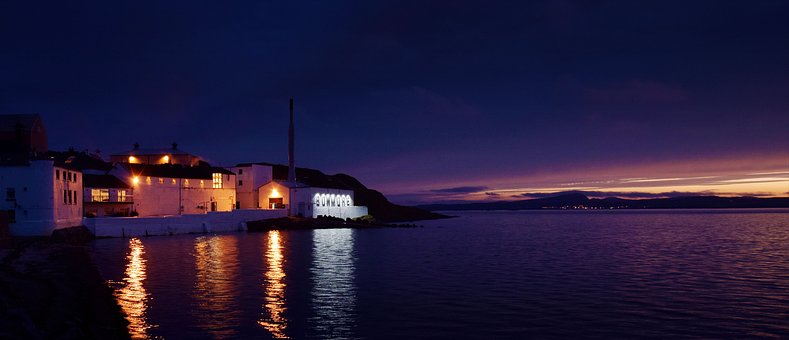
[580,201]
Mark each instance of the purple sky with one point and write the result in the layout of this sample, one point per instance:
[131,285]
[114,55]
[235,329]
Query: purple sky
[419,97]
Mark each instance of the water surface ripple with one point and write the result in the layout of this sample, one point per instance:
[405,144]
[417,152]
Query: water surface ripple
[548,274]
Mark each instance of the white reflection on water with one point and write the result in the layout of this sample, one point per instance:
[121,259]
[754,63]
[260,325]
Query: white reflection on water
[131,294]
[334,291]
[272,319]
[216,285]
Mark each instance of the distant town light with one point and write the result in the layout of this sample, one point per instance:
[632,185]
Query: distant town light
[135,179]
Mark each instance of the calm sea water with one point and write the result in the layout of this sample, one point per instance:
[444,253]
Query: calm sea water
[484,275]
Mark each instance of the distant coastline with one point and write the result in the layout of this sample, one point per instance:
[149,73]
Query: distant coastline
[575,201]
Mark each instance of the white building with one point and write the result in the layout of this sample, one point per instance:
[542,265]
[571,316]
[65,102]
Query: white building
[39,194]
[265,186]
[251,176]
[164,189]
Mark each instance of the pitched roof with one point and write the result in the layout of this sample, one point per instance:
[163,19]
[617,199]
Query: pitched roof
[103,181]
[78,160]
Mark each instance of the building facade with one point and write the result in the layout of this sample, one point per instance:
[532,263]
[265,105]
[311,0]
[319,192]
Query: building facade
[38,194]
[250,178]
[161,190]
[106,195]
[40,197]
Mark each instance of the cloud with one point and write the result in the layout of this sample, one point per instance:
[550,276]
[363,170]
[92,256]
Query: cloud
[460,190]
[639,195]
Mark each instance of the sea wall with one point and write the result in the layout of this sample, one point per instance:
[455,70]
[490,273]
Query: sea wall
[341,212]
[184,224]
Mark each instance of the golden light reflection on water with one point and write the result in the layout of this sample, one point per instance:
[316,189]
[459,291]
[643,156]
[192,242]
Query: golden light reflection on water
[216,285]
[272,319]
[132,295]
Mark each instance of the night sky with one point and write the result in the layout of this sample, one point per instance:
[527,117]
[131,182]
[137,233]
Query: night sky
[425,101]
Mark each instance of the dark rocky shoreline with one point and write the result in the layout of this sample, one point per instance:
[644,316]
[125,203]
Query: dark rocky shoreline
[52,290]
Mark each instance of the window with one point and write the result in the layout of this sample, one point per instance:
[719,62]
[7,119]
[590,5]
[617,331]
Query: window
[148,179]
[240,182]
[75,196]
[202,183]
[11,216]
[69,176]
[10,194]
[228,178]
[217,177]
[186,182]
[57,175]
[121,195]
[75,177]
[161,180]
[68,196]
[99,195]
[65,196]
[240,171]
[172,181]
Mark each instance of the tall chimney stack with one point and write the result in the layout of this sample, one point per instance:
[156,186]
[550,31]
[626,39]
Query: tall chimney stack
[291,160]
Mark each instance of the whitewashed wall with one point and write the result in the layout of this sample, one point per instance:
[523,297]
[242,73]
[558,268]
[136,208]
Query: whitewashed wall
[172,225]
[39,206]
[152,198]
[252,178]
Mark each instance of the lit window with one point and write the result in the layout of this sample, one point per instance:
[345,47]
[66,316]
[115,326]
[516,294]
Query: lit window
[148,179]
[186,182]
[161,180]
[217,180]
[121,195]
[172,181]
[100,195]
[202,183]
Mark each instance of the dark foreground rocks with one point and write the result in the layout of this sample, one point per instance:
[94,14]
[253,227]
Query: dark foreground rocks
[51,290]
